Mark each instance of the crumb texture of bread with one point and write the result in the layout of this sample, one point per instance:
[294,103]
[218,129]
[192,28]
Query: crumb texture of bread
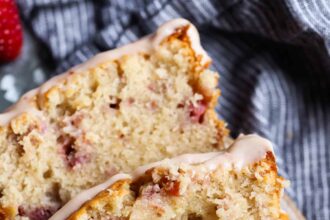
[109,118]
[191,192]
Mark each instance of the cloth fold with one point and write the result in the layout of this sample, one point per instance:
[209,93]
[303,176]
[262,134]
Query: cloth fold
[272,56]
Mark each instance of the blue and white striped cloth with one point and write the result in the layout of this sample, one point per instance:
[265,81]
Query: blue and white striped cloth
[273,58]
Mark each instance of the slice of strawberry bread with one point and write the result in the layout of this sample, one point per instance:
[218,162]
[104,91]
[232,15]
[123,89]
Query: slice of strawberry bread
[137,104]
[240,183]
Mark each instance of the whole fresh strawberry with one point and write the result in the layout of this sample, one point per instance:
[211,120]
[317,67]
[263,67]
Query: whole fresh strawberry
[11,36]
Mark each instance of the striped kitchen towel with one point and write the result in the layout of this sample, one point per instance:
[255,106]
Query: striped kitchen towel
[273,58]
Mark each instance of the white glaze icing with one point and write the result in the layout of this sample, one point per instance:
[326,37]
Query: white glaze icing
[245,150]
[145,44]
[149,43]
[192,33]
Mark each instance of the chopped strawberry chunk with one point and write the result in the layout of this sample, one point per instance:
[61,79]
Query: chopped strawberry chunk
[75,159]
[152,88]
[170,187]
[196,113]
[130,101]
[71,155]
[76,119]
[39,213]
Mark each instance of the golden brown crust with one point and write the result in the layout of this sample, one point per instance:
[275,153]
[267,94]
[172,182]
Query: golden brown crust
[284,216]
[7,213]
[266,178]
[197,69]
[120,189]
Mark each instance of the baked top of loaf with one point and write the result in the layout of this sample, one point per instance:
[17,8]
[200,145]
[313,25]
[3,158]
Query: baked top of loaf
[138,104]
[239,183]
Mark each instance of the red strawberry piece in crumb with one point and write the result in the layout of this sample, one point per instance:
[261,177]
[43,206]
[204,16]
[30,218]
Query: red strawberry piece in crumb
[152,88]
[74,159]
[152,105]
[71,155]
[77,119]
[130,101]
[196,112]
[11,36]
[170,187]
[40,213]
[180,105]
[21,211]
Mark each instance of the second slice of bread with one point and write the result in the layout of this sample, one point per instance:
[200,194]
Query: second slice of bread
[135,105]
